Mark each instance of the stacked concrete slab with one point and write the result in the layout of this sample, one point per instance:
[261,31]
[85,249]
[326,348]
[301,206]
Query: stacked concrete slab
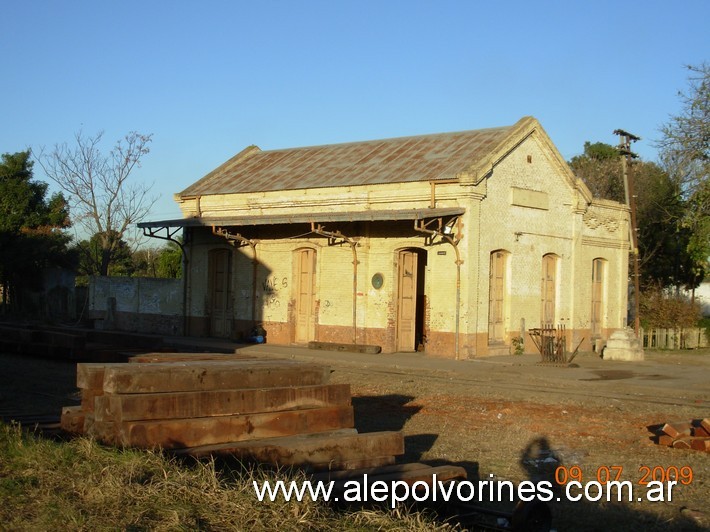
[623,345]
[282,412]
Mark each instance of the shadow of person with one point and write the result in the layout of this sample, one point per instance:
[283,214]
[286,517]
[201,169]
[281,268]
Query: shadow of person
[539,461]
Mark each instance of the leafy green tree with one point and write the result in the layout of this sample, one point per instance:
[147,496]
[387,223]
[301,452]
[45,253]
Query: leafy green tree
[145,261]
[600,170]
[663,237]
[165,262]
[93,258]
[170,261]
[31,236]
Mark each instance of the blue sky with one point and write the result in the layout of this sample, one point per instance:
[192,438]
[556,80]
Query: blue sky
[210,78]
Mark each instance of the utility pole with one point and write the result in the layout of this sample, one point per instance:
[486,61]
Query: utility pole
[627,156]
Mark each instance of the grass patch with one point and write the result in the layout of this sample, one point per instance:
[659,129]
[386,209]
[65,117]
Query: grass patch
[80,485]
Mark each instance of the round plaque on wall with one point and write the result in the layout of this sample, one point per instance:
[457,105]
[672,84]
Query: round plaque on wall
[377,281]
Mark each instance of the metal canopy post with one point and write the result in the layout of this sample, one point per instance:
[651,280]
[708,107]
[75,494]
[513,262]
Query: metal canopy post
[444,231]
[237,240]
[170,232]
[333,237]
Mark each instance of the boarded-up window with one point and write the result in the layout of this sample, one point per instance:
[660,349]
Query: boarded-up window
[497,291]
[549,288]
[598,267]
[220,275]
[305,292]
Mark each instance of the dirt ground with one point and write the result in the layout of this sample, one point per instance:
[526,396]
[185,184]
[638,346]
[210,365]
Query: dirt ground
[505,416]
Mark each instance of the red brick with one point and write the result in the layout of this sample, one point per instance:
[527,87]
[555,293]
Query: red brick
[682,443]
[700,444]
[664,439]
[676,430]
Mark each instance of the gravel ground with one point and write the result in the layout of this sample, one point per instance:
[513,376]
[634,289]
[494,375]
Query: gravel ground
[507,417]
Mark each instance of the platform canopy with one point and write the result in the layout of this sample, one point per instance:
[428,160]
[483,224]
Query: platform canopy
[310,217]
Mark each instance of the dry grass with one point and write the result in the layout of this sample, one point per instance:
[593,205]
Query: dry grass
[80,485]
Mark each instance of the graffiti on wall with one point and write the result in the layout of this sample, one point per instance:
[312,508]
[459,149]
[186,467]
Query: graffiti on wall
[271,286]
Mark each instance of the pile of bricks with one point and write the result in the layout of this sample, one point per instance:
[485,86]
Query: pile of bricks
[281,412]
[694,434]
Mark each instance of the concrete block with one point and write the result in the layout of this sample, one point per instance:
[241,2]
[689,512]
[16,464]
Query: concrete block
[623,345]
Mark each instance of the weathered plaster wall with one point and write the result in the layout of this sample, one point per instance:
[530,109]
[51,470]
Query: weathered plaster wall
[137,304]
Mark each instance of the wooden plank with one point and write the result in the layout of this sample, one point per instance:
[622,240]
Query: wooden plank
[72,420]
[186,357]
[370,462]
[223,449]
[370,471]
[338,450]
[90,375]
[135,407]
[443,474]
[105,432]
[211,375]
[88,399]
[352,348]
[180,433]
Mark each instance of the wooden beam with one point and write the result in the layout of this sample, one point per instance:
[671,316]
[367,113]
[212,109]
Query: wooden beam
[315,450]
[211,375]
[186,357]
[181,433]
[136,407]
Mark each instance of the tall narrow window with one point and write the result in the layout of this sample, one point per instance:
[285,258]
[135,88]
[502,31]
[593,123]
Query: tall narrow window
[220,290]
[597,297]
[305,294]
[497,291]
[549,288]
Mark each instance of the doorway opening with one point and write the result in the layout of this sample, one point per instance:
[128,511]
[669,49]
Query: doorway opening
[220,290]
[411,300]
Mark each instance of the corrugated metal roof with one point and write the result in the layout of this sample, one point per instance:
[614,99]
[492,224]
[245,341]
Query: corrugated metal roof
[408,159]
[353,216]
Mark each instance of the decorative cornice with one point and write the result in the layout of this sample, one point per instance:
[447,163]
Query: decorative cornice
[605,243]
[594,220]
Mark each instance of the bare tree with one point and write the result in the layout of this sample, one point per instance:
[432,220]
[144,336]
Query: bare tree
[685,153]
[103,200]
